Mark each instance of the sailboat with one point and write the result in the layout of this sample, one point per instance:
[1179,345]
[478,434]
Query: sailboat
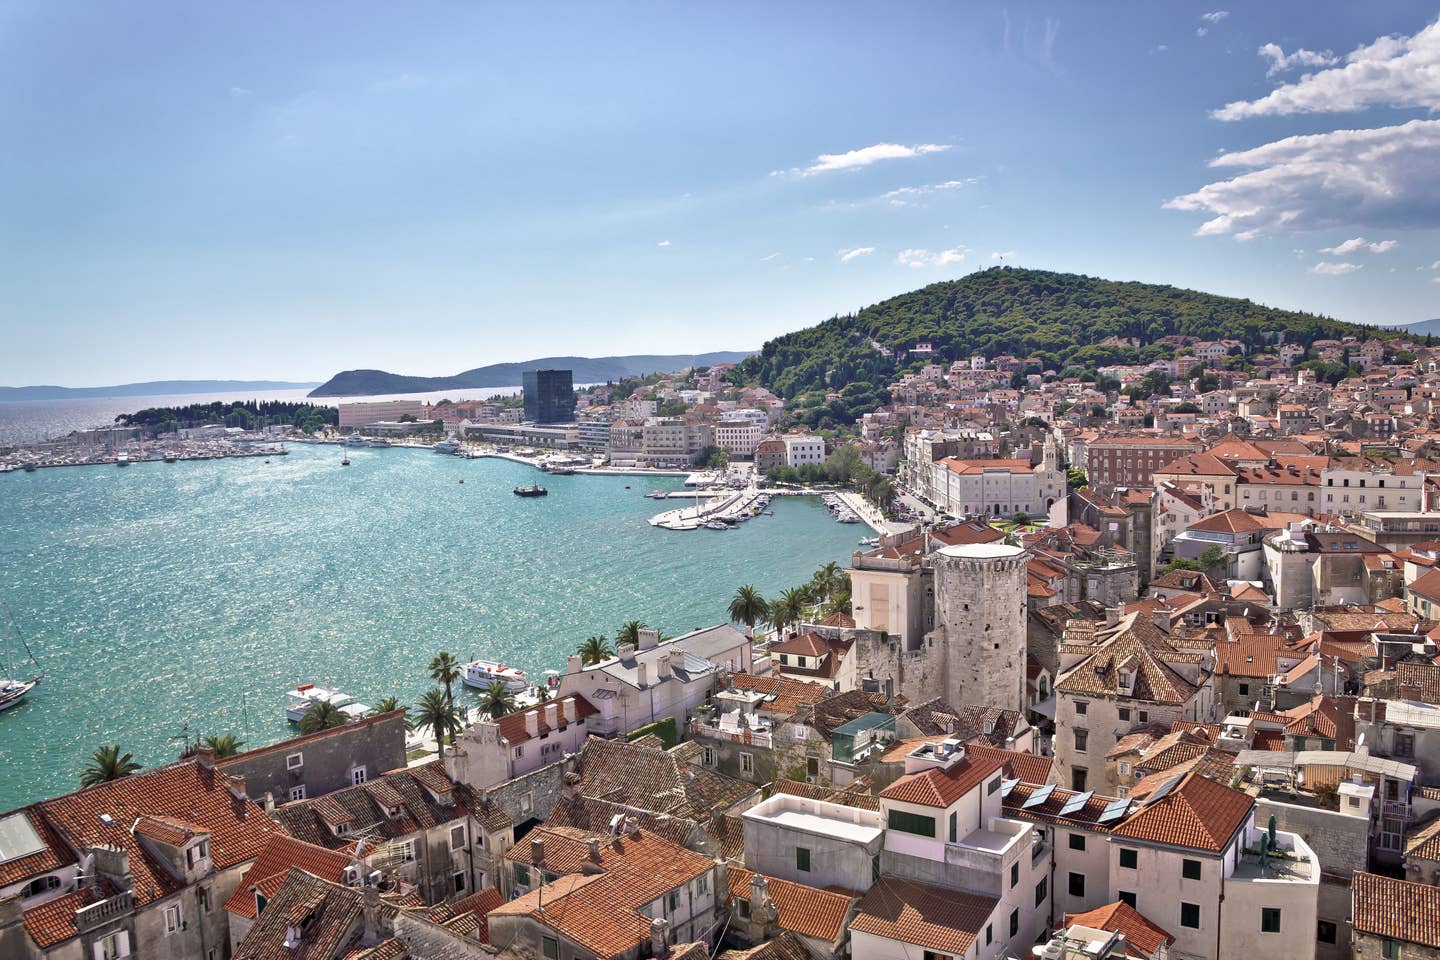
[12,688]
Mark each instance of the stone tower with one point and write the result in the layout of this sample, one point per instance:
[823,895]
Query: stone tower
[980,610]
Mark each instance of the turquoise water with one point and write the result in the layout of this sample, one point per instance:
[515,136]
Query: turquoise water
[161,594]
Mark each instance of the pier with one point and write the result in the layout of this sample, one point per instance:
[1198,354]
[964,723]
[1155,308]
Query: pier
[724,507]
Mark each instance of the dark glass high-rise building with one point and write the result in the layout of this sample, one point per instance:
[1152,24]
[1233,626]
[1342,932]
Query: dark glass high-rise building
[549,396]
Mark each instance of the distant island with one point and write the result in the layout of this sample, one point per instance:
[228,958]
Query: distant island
[150,388]
[367,383]
[1420,327]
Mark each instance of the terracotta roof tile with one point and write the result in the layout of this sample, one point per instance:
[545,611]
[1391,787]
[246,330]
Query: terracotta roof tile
[1119,917]
[282,853]
[512,725]
[804,910]
[934,918]
[1396,909]
[1197,813]
[941,788]
[54,855]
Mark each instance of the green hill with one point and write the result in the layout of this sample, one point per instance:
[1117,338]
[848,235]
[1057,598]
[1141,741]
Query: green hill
[1060,319]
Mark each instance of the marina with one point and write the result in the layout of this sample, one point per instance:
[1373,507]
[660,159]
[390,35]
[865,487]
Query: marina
[210,588]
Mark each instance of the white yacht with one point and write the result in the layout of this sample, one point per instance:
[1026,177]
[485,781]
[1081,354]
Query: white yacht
[306,695]
[447,446]
[122,460]
[355,440]
[482,674]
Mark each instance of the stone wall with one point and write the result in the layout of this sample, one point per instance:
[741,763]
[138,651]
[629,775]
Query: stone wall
[329,757]
[1341,843]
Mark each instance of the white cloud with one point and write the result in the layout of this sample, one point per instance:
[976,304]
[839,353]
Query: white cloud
[1358,244]
[865,156]
[1383,178]
[240,93]
[1201,31]
[1333,269]
[663,243]
[1391,71]
[1435,279]
[906,196]
[1280,61]
[847,255]
[1435,265]
[1003,255]
[1214,16]
[915,257]
[768,258]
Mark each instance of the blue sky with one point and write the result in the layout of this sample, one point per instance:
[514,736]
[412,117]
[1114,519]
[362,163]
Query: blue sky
[282,190]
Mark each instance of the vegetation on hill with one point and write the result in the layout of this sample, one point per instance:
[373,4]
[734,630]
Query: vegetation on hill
[249,414]
[1060,320]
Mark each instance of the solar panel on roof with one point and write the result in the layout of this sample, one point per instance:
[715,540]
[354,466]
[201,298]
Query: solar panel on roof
[1006,786]
[1114,811]
[1165,788]
[1039,797]
[1076,803]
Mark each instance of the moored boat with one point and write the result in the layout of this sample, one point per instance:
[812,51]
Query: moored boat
[483,674]
[534,490]
[12,688]
[446,446]
[306,695]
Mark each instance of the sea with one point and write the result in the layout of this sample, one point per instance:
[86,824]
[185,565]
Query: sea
[168,601]
[30,421]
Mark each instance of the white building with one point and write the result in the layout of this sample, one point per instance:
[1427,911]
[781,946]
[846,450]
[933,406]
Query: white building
[997,488]
[739,437]
[804,449]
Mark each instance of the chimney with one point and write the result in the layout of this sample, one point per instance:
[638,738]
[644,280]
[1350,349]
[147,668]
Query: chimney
[662,669]
[593,847]
[269,802]
[236,786]
[648,638]
[625,651]
[374,932]
[568,705]
[537,853]
[632,826]
[14,942]
[659,937]
[1112,616]
[532,722]
[722,880]
[205,756]
[1162,618]
[574,663]
[641,674]
[552,714]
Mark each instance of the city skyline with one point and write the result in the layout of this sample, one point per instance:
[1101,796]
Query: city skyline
[287,192]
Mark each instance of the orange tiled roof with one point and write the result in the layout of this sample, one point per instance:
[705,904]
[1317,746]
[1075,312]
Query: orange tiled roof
[940,788]
[1395,909]
[804,910]
[53,922]
[934,918]
[54,855]
[1197,813]
[789,693]
[512,725]
[1119,917]
[280,854]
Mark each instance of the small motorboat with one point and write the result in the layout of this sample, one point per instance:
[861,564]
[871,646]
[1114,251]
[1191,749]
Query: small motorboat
[534,490]
[483,674]
[306,695]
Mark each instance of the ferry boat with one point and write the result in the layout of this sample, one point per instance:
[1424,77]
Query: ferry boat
[377,442]
[122,460]
[354,440]
[716,524]
[306,695]
[534,490]
[483,674]
[447,446]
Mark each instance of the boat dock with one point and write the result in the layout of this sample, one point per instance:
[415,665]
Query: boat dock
[726,508]
[872,517]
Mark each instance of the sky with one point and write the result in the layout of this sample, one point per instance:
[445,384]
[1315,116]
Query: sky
[279,190]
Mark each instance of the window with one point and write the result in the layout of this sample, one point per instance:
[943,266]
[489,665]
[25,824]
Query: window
[1144,716]
[702,886]
[40,885]
[457,837]
[709,758]
[1128,858]
[357,775]
[802,859]
[519,752]
[202,897]
[1390,949]
[747,763]
[1127,896]
[1014,922]
[1190,915]
[113,946]
[172,918]
[1081,738]
[460,882]
[1124,769]
[931,955]
[1042,890]
[1244,689]
[406,851]
[954,817]
[989,934]
[1325,931]
[1190,869]
[1077,884]
[1077,841]
[295,761]
[992,786]
[1270,920]
[672,902]
[551,948]
[1078,776]
[1124,713]
[1404,744]
[522,875]
[297,792]
[1014,873]
[912,823]
[1080,707]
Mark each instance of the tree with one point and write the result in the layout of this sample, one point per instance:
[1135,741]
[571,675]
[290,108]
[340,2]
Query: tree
[322,715]
[827,581]
[445,670]
[595,649]
[407,418]
[630,633]
[224,744]
[107,764]
[435,711]
[748,607]
[496,701]
[386,704]
[1076,479]
[1212,557]
[789,608]
[1020,518]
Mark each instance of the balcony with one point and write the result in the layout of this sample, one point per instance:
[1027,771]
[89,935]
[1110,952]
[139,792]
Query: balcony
[1291,861]
[741,735]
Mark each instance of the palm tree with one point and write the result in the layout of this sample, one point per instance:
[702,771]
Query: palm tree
[386,704]
[322,716]
[595,649]
[748,607]
[826,582]
[107,764]
[445,670]
[434,710]
[789,608]
[630,633]
[496,701]
[224,744]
